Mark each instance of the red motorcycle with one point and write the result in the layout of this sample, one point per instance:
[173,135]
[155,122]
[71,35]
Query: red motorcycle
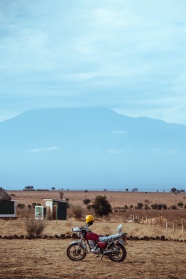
[112,246]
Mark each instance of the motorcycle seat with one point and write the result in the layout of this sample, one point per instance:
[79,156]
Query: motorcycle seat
[107,238]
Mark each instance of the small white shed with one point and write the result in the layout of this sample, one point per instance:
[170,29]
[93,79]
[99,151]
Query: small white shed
[53,209]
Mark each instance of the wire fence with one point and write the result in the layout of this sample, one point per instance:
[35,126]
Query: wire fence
[159,221]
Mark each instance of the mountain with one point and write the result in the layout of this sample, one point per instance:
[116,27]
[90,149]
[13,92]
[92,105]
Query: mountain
[91,148]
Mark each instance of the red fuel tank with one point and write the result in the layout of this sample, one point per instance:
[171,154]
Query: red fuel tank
[92,236]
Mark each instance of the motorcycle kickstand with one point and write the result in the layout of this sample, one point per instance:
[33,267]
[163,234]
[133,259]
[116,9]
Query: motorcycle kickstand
[101,257]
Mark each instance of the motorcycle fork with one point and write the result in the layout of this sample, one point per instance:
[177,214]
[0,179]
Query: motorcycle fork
[87,244]
[83,243]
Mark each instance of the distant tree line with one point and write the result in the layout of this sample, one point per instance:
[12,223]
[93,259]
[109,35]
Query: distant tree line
[174,190]
[29,188]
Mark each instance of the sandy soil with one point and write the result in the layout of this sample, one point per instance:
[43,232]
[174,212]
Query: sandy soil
[47,259]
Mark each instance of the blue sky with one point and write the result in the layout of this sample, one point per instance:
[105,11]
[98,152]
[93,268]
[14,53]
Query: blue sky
[128,55]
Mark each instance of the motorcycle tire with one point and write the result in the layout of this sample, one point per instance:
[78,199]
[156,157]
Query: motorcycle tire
[119,255]
[76,252]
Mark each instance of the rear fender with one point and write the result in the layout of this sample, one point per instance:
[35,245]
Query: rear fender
[120,241]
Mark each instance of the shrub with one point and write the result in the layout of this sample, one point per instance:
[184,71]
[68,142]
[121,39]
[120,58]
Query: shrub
[173,207]
[180,204]
[159,206]
[86,201]
[21,205]
[77,211]
[164,206]
[34,226]
[101,206]
[154,206]
[139,205]
[173,190]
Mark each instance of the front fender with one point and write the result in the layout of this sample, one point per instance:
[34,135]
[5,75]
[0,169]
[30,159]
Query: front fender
[75,241]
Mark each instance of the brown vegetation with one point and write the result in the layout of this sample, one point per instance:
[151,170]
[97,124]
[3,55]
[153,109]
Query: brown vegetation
[116,198]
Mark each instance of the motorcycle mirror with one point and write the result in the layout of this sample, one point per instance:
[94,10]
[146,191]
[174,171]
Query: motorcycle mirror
[119,229]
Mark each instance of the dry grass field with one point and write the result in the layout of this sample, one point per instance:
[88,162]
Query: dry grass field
[115,198]
[46,258]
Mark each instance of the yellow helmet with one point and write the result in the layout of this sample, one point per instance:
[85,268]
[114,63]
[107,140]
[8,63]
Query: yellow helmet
[89,219]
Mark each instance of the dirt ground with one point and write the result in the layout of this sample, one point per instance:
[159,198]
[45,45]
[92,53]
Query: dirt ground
[47,259]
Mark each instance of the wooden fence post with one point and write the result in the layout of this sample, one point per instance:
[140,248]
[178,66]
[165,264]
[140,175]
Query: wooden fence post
[166,224]
[154,221]
[173,226]
[182,226]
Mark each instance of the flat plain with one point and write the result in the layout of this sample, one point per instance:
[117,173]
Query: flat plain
[46,258]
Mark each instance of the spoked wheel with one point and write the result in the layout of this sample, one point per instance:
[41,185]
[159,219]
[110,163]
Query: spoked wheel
[76,252]
[120,253]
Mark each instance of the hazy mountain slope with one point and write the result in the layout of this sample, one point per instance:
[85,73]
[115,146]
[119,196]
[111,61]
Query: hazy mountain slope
[90,146]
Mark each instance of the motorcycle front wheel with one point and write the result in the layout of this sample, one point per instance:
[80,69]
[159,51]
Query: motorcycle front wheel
[76,252]
[119,255]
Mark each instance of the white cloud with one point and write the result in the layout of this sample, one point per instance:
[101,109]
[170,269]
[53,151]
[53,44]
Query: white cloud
[44,149]
[115,151]
[119,132]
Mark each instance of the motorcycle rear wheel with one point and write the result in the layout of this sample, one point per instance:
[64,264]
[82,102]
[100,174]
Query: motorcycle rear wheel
[119,255]
[76,252]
